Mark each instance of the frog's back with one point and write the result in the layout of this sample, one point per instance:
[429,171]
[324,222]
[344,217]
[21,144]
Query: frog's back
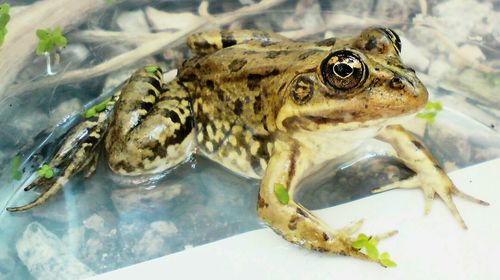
[236,94]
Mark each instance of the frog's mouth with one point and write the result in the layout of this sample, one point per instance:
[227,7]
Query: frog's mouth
[345,120]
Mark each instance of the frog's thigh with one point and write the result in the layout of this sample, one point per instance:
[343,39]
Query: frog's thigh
[290,219]
[208,42]
[161,139]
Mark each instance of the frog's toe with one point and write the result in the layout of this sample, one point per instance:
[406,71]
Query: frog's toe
[48,188]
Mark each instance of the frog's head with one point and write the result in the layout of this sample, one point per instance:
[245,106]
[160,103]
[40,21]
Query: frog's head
[360,79]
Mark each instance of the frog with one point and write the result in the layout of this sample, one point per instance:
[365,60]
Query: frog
[266,107]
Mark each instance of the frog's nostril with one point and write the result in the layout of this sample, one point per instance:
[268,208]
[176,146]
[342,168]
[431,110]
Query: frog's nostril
[396,83]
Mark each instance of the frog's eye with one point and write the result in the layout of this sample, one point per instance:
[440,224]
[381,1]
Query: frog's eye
[343,70]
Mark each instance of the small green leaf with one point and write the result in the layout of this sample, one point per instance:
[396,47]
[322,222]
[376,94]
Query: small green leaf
[49,173]
[45,171]
[92,111]
[49,39]
[359,244]
[4,8]
[150,69]
[371,251]
[4,19]
[386,261]
[17,175]
[89,113]
[42,34]
[109,2]
[16,163]
[281,193]
[362,236]
[373,241]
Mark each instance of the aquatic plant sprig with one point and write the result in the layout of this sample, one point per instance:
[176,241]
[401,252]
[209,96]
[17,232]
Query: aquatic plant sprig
[369,245]
[45,171]
[430,111]
[4,19]
[49,39]
[16,173]
[92,111]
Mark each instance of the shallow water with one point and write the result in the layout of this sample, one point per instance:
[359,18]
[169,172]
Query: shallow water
[106,222]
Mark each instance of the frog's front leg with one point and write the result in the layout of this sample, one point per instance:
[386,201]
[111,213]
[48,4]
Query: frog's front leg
[276,206]
[429,174]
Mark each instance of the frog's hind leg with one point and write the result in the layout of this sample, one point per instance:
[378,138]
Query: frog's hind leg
[152,128]
[79,149]
[208,42]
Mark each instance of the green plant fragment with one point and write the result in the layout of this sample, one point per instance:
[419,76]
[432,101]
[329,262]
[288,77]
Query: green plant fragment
[16,163]
[281,193]
[49,39]
[4,9]
[150,69]
[371,251]
[4,19]
[359,244]
[45,171]
[386,261]
[89,113]
[92,111]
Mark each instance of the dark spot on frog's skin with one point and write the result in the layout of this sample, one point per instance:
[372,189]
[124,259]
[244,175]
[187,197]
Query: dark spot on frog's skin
[371,44]
[210,85]
[181,133]
[302,213]
[124,165]
[253,81]
[492,126]
[227,39]
[203,44]
[437,166]
[309,53]
[237,64]
[248,52]
[238,107]
[321,250]
[293,163]
[197,66]
[257,106]
[274,54]
[417,144]
[255,163]
[302,90]
[220,95]
[292,224]
[157,149]
[261,203]
[330,42]
[155,83]
[326,237]
[152,92]
[146,106]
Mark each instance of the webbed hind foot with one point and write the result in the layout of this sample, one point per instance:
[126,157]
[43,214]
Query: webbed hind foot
[79,150]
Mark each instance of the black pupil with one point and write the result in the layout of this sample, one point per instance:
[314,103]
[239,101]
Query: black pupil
[343,70]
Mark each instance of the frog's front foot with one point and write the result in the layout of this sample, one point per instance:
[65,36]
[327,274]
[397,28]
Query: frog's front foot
[430,177]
